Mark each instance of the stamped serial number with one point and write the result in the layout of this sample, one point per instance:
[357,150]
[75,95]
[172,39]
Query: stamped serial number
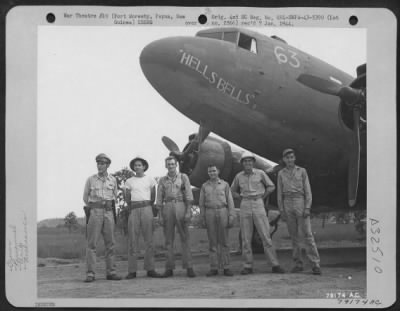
[361,302]
[375,245]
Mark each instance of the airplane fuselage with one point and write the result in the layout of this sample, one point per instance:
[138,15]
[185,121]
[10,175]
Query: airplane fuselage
[253,99]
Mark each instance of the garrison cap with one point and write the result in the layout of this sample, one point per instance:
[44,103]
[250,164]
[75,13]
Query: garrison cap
[287,151]
[247,155]
[138,158]
[103,156]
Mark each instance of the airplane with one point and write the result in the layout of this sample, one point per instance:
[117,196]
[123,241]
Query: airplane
[264,95]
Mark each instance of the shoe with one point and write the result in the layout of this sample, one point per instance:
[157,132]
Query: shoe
[228,272]
[296,269]
[113,277]
[212,272]
[168,273]
[190,273]
[89,279]
[246,271]
[131,275]
[153,274]
[277,269]
[316,270]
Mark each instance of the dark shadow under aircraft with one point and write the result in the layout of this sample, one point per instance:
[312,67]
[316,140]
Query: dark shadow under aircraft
[264,95]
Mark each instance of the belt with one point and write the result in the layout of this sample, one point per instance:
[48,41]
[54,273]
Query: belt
[173,200]
[106,204]
[252,198]
[293,195]
[139,204]
[216,207]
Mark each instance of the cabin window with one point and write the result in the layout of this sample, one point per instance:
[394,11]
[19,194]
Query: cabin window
[248,43]
[230,36]
[212,35]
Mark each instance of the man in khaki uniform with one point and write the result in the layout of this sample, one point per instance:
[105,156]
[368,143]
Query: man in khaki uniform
[174,200]
[218,211]
[253,186]
[294,202]
[99,193]
[140,193]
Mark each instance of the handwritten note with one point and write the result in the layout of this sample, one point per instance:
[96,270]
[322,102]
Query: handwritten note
[18,255]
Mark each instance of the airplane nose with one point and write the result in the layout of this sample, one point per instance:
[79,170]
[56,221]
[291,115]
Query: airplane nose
[165,64]
[158,62]
[153,53]
[197,75]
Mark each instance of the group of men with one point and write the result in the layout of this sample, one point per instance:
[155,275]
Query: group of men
[172,204]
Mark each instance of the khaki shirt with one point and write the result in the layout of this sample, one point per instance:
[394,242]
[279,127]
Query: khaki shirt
[100,188]
[251,185]
[216,194]
[294,183]
[171,188]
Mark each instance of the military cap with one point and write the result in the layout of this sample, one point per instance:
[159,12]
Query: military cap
[138,158]
[103,156]
[287,151]
[247,155]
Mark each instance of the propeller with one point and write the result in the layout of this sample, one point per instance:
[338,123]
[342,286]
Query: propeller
[187,157]
[170,144]
[354,160]
[346,93]
[197,140]
[356,99]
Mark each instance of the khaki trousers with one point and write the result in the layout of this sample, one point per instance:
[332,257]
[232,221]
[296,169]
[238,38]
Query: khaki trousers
[140,221]
[100,222]
[173,215]
[217,231]
[300,231]
[253,211]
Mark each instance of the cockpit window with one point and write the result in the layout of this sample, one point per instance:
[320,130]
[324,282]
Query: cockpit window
[248,43]
[230,36]
[245,41]
[212,35]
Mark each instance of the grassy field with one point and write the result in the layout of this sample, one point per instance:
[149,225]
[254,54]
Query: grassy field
[59,243]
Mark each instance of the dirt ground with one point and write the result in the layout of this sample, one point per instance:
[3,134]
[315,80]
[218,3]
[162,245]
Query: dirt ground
[342,269]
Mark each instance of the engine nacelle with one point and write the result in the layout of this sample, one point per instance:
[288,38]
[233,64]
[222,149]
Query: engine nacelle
[223,155]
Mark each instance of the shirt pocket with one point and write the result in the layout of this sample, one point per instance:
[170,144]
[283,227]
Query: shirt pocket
[221,196]
[110,186]
[298,180]
[95,190]
[256,183]
[208,198]
[243,184]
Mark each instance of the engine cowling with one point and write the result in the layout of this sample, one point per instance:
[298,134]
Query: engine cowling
[216,151]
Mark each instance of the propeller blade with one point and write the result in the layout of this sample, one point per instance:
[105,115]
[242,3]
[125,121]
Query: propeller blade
[348,94]
[320,84]
[354,161]
[170,144]
[198,139]
[203,133]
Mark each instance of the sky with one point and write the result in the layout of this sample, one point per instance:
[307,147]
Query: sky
[93,98]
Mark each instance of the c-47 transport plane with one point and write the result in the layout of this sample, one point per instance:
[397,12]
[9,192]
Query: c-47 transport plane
[264,95]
